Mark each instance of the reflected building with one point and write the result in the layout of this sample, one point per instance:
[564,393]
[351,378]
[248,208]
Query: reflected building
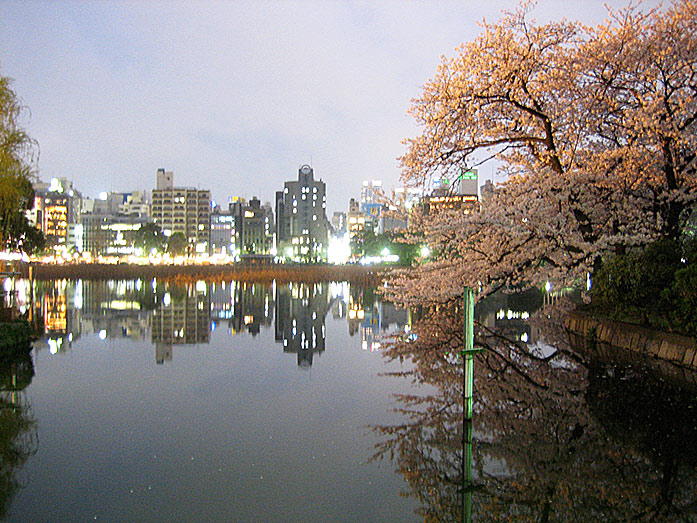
[181,319]
[58,304]
[114,309]
[245,306]
[509,314]
[110,309]
[374,319]
[300,314]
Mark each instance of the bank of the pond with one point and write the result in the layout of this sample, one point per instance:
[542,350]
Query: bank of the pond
[15,334]
[361,274]
[675,348]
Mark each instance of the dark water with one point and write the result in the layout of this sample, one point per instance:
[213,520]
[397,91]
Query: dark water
[152,402]
[559,432]
[206,403]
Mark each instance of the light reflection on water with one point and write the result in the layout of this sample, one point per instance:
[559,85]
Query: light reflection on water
[248,402]
[209,402]
[560,432]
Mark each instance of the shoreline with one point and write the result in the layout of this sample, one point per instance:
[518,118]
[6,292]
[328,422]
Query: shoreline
[257,273]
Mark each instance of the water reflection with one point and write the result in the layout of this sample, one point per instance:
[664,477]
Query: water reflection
[181,314]
[557,435]
[18,439]
[231,378]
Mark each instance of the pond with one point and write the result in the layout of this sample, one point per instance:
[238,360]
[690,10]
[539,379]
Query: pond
[206,402]
[150,401]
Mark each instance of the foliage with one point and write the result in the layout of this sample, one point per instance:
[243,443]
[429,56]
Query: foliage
[26,237]
[186,273]
[150,237]
[177,244]
[656,286]
[17,159]
[368,243]
[595,128]
[684,298]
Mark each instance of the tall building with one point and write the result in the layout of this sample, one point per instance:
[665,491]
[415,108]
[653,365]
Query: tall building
[246,228]
[355,218]
[57,213]
[255,226]
[371,191]
[339,223]
[182,210]
[302,229]
[223,232]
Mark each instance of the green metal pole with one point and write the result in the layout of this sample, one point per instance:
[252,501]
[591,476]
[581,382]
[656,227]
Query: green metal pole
[467,473]
[468,352]
[468,393]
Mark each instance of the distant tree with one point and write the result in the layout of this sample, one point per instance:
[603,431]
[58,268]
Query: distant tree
[364,243]
[18,153]
[26,237]
[595,128]
[150,237]
[177,244]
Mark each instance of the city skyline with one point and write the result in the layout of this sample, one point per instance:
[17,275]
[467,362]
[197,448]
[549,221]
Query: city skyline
[234,97]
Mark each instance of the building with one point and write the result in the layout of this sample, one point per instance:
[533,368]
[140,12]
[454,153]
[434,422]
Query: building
[302,229]
[111,234]
[255,227]
[339,223]
[182,210]
[110,224]
[224,239]
[371,191]
[57,213]
[245,228]
[461,193]
[355,219]
[488,190]
[120,203]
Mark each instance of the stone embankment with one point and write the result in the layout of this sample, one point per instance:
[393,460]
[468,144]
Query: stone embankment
[677,349]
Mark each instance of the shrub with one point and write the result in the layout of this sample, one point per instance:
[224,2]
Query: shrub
[656,286]
[634,284]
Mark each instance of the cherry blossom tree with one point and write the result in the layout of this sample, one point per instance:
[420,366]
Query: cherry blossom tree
[594,128]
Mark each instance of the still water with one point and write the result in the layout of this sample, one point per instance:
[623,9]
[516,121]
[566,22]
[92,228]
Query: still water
[148,401]
[207,402]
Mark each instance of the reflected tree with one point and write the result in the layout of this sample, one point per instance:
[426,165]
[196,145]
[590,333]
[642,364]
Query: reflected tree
[553,440]
[18,440]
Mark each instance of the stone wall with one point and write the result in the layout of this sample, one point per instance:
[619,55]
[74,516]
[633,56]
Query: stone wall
[681,350]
